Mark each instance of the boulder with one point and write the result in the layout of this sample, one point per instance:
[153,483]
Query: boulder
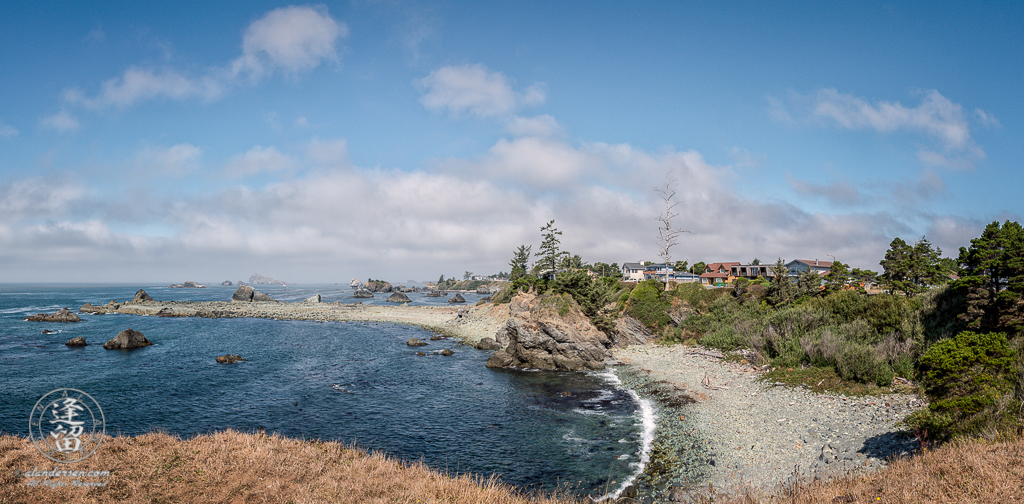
[76,341]
[488,344]
[112,305]
[398,297]
[141,297]
[62,315]
[416,342]
[362,293]
[229,359]
[91,308]
[47,331]
[126,339]
[541,338]
[433,293]
[259,297]
[378,286]
[355,284]
[421,354]
[630,331]
[457,298]
[226,283]
[447,353]
[243,294]
[313,299]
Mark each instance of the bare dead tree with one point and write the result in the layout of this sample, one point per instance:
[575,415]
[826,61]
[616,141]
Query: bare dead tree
[668,236]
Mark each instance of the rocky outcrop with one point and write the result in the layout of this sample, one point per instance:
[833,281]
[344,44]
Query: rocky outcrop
[229,359]
[362,293]
[247,294]
[378,286]
[313,299]
[416,342]
[542,338]
[447,353]
[433,293]
[91,308]
[630,331]
[355,284]
[62,315]
[76,341]
[398,297]
[257,279]
[127,339]
[457,298]
[488,344]
[188,285]
[141,297]
[226,283]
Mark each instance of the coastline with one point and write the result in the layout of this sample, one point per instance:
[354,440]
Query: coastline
[741,434]
[469,324]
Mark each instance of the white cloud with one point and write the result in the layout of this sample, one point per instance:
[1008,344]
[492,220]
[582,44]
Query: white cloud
[293,38]
[475,90]
[936,116]
[137,84]
[986,119]
[335,221]
[176,160]
[61,121]
[6,130]
[260,160]
[838,192]
[543,126]
[742,158]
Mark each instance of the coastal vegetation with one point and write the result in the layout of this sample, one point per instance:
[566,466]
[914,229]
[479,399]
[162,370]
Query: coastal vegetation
[952,326]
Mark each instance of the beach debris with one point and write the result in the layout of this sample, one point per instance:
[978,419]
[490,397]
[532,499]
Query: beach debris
[706,382]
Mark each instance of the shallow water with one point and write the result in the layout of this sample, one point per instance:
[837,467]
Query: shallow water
[352,382]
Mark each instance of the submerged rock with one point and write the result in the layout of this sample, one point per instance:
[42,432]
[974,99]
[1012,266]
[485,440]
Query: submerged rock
[229,359]
[447,353]
[62,315]
[416,342]
[127,339]
[76,341]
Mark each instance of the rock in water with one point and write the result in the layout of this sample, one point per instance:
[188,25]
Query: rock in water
[541,338]
[127,338]
[91,308]
[488,344]
[259,297]
[229,359]
[313,299]
[416,342]
[457,298]
[76,341]
[447,353]
[141,297]
[62,315]
[243,294]
[227,283]
[362,293]
[398,297]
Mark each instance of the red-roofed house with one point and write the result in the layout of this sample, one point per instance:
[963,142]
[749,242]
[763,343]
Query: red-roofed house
[718,274]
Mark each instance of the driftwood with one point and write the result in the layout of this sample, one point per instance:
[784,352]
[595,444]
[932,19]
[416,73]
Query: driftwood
[706,353]
[706,382]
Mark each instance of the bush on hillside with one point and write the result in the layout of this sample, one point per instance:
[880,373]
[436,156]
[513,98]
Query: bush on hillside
[970,380]
[648,304]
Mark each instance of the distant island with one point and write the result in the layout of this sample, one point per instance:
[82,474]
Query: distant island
[257,279]
[188,285]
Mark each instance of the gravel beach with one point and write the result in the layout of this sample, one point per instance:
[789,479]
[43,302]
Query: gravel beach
[719,424]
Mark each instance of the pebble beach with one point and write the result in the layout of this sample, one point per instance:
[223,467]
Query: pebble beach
[720,425]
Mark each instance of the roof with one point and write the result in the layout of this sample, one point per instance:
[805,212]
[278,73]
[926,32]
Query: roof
[813,262]
[632,265]
[714,275]
[726,265]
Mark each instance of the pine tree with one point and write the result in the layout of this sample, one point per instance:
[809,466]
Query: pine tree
[520,261]
[781,290]
[549,253]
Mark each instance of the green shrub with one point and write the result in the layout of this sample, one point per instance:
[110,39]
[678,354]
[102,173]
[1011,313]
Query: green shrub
[648,304]
[858,362]
[969,379]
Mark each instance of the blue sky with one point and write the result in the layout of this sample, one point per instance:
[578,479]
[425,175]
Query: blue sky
[406,140]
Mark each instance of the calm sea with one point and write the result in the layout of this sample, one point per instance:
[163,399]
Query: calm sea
[351,382]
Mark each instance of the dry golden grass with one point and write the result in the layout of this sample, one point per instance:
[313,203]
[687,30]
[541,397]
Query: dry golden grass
[233,467]
[960,472]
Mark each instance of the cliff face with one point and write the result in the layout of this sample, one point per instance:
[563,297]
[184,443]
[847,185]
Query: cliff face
[550,332]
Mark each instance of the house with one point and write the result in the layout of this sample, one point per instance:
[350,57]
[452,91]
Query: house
[633,271]
[753,271]
[798,266]
[657,272]
[718,274]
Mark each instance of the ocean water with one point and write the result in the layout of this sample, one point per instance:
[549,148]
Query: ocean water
[352,382]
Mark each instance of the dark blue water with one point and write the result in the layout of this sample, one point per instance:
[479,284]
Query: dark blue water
[352,382]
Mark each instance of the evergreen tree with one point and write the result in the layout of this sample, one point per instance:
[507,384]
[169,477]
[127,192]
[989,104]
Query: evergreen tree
[838,277]
[912,269]
[698,268]
[781,290]
[809,282]
[548,253]
[520,261]
[992,273]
